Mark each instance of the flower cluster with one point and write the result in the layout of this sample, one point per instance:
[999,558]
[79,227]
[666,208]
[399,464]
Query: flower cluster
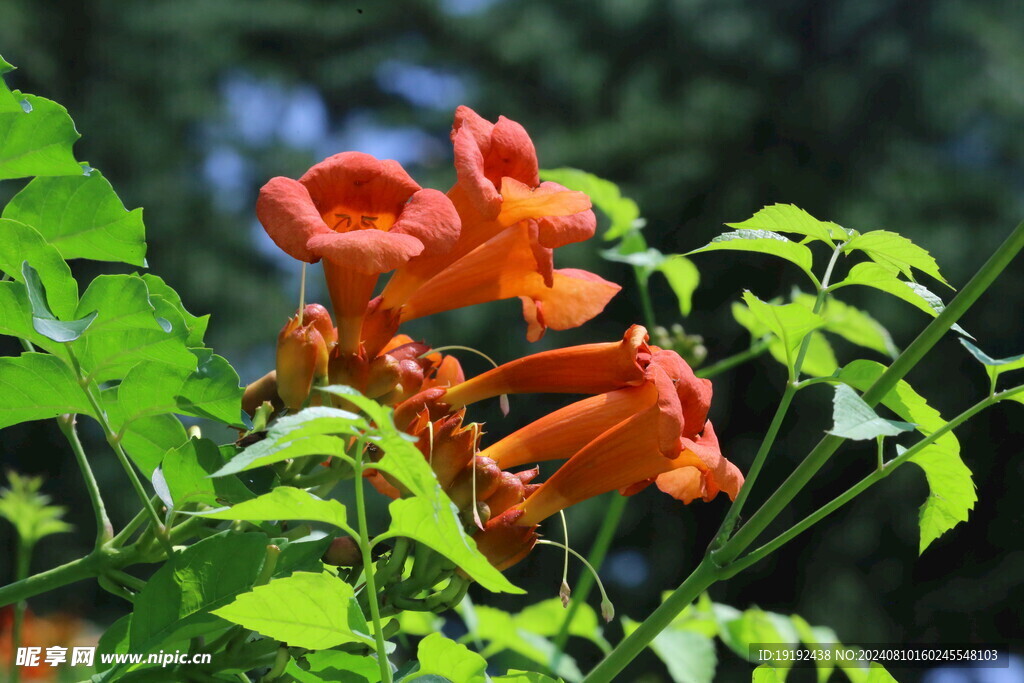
[491,237]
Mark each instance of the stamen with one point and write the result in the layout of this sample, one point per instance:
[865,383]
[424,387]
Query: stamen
[472,463]
[564,591]
[302,292]
[607,609]
[430,444]
[345,218]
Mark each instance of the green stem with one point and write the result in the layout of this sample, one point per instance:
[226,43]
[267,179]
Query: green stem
[371,584]
[124,534]
[115,444]
[104,530]
[912,355]
[645,298]
[878,475]
[755,350]
[76,570]
[24,560]
[703,576]
[598,551]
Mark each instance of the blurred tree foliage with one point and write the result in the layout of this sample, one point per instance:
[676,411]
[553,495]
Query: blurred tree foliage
[873,113]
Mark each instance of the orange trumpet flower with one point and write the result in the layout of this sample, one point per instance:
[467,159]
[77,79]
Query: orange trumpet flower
[362,216]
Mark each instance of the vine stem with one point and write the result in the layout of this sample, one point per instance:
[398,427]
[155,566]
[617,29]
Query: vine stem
[733,515]
[716,564]
[23,563]
[104,530]
[115,444]
[371,583]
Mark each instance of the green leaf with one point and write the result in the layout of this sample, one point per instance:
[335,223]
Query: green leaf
[683,277]
[30,511]
[419,623]
[789,322]
[148,439]
[177,600]
[443,657]
[126,331]
[165,300]
[498,628]
[308,432]
[792,219]
[82,217]
[332,666]
[19,244]
[895,253]
[850,323]
[765,674]
[8,103]
[740,630]
[37,141]
[212,391]
[113,641]
[286,503]
[689,656]
[16,317]
[762,242]
[994,367]
[938,514]
[854,419]
[883,279]
[820,359]
[516,676]
[303,610]
[186,472]
[435,523]
[38,386]
[545,619]
[623,212]
[816,637]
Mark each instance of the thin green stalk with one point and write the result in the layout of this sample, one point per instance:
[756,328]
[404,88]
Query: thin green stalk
[906,361]
[104,530]
[371,584]
[645,298]
[132,526]
[878,475]
[115,444]
[23,562]
[76,570]
[598,551]
[733,515]
[756,349]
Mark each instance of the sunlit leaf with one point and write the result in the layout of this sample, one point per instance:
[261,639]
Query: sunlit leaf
[937,515]
[286,503]
[82,217]
[8,103]
[762,242]
[545,619]
[683,277]
[622,212]
[148,439]
[19,244]
[419,623]
[16,317]
[186,471]
[443,657]
[765,674]
[212,391]
[792,219]
[36,139]
[303,610]
[164,298]
[895,253]
[852,418]
[516,676]
[332,666]
[498,629]
[789,322]
[993,366]
[850,323]
[38,386]
[30,511]
[816,637]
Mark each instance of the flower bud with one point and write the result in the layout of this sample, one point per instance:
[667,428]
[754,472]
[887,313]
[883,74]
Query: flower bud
[301,357]
[317,316]
[487,475]
[503,542]
[343,552]
[509,492]
[384,375]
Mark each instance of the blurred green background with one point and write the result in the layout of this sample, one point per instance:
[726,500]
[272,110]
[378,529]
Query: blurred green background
[904,115]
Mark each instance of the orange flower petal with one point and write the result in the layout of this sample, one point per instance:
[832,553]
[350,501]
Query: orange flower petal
[431,218]
[575,297]
[521,201]
[365,251]
[360,182]
[556,231]
[288,214]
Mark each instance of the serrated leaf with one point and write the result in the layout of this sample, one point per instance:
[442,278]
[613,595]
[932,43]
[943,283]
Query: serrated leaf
[895,253]
[82,217]
[37,142]
[622,212]
[165,299]
[852,418]
[38,386]
[951,494]
[910,406]
[186,471]
[286,503]
[443,657]
[792,219]
[20,243]
[177,600]
[7,102]
[683,277]
[303,610]
[852,324]
[689,656]
[762,242]
[435,523]
[790,323]
[126,332]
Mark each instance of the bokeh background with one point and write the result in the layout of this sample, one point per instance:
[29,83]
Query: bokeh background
[898,114]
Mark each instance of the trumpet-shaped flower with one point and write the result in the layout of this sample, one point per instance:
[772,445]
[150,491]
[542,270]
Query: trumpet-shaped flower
[363,217]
